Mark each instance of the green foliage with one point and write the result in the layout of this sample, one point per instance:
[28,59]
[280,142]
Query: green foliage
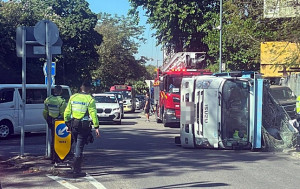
[189,25]
[177,22]
[117,64]
[243,31]
[76,24]
[141,87]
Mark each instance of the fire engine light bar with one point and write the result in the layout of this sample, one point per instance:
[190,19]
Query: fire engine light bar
[178,69]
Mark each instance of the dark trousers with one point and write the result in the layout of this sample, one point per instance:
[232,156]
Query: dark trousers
[80,140]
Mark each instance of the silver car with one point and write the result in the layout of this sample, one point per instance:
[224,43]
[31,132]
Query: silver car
[108,108]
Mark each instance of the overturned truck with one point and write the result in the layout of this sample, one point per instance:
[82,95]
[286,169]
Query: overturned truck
[232,111]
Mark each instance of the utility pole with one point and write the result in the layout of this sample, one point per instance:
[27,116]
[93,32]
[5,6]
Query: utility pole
[221,27]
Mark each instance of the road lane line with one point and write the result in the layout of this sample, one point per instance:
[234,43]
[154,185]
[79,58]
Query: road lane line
[62,182]
[94,182]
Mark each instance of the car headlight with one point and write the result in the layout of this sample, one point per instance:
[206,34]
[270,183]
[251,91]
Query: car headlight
[170,111]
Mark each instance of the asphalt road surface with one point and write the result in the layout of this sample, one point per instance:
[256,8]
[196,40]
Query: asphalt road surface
[138,154]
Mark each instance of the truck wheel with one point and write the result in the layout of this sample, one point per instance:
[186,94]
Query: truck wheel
[6,129]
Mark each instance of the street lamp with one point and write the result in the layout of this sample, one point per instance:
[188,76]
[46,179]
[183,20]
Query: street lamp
[220,51]
[157,63]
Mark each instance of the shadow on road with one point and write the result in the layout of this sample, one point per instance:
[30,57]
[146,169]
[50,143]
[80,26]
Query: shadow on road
[138,153]
[205,184]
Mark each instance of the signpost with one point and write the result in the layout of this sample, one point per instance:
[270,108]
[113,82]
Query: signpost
[62,139]
[37,42]
[53,72]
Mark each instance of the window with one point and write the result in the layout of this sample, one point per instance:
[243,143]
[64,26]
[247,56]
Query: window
[35,96]
[6,95]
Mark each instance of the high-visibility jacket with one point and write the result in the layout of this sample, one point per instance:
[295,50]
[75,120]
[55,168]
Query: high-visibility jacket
[54,106]
[78,106]
[298,105]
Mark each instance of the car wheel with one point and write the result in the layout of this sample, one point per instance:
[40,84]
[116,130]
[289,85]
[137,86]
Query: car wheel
[6,129]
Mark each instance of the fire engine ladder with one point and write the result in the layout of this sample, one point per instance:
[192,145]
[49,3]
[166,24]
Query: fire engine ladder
[183,60]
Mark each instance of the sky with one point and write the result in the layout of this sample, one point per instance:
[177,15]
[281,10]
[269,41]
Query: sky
[121,7]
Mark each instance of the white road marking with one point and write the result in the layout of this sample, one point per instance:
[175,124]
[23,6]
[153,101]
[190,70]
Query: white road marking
[88,178]
[62,182]
[94,182]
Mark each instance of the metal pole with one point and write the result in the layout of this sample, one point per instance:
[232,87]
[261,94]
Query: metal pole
[23,89]
[221,27]
[49,60]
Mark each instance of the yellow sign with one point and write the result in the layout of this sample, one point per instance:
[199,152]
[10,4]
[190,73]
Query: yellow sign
[278,58]
[62,139]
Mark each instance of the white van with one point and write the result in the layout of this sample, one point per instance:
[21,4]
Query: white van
[11,108]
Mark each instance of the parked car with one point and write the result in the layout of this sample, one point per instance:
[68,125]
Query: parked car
[120,99]
[142,100]
[286,98]
[108,108]
[11,118]
[137,104]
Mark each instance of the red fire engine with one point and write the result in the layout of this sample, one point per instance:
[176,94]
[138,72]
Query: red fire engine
[168,82]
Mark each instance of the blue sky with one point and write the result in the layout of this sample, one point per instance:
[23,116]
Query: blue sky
[121,7]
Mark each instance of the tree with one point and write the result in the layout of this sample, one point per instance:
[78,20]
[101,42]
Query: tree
[190,25]
[177,22]
[76,24]
[117,64]
[244,28]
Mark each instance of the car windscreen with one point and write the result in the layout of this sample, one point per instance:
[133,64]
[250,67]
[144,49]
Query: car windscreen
[106,99]
[283,93]
[118,95]
[126,94]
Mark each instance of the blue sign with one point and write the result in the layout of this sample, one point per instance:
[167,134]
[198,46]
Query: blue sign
[52,80]
[61,130]
[53,66]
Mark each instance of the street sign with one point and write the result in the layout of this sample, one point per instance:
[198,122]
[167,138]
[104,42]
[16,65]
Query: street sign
[53,68]
[40,30]
[34,50]
[62,139]
[52,80]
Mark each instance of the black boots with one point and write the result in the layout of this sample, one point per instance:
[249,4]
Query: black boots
[77,167]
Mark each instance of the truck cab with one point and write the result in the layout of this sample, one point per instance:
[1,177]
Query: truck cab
[221,111]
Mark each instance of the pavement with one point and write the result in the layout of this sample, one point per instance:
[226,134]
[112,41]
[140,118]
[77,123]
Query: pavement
[32,164]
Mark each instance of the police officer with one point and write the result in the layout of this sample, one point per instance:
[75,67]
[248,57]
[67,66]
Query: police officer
[80,107]
[54,109]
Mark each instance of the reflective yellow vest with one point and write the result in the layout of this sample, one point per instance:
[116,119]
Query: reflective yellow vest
[78,105]
[298,105]
[54,107]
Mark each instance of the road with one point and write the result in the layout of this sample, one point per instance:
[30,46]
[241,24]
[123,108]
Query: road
[138,154]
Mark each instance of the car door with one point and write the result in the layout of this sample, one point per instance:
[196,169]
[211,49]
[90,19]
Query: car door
[34,120]
[8,105]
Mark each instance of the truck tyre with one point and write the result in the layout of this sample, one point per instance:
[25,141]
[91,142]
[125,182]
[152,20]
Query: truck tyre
[6,129]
